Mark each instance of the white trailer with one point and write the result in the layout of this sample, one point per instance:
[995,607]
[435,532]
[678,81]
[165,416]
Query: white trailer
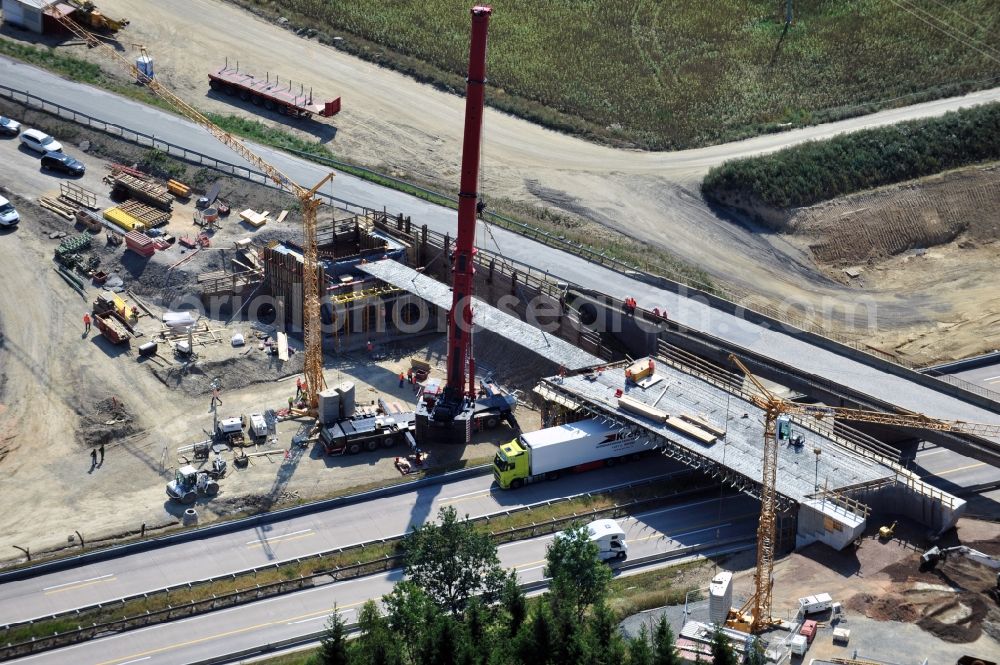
[813,604]
[577,446]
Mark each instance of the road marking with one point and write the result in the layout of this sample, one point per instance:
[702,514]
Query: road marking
[931,452]
[292,623]
[459,496]
[521,542]
[992,378]
[69,586]
[137,660]
[261,541]
[686,505]
[147,654]
[958,468]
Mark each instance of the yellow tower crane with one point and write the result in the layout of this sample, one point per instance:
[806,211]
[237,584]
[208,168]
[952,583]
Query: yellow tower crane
[312,322]
[759,604]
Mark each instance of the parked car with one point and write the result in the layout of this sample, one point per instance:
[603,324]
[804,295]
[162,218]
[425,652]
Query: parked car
[40,141]
[60,161]
[9,127]
[8,216]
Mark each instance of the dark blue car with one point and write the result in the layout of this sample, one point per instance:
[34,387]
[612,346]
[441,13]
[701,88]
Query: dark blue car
[60,161]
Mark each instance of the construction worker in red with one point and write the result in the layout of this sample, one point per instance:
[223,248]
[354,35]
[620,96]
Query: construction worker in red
[86,323]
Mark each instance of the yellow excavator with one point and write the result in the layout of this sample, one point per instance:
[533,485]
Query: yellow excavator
[89,16]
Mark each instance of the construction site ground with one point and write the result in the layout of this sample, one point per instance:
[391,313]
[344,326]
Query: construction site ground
[410,130]
[63,392]
[896,614]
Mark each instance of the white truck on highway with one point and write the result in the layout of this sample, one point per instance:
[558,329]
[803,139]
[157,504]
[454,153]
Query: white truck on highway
[579,446]
[609,538]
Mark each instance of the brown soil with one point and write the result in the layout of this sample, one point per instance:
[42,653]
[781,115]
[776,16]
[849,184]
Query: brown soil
[411,130]
[61,390]
[866,228]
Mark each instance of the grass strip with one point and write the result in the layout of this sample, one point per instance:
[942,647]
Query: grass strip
[295,570]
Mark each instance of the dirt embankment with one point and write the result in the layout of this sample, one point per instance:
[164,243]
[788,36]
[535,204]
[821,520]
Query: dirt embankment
[871,226]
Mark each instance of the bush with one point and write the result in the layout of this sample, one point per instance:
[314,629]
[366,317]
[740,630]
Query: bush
[821,170]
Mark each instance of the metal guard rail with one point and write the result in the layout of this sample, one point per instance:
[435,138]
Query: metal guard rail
[316,578]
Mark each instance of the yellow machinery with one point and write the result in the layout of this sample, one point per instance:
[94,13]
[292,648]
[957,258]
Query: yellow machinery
[886,532]
[89,16]
[307,200]
[755,615]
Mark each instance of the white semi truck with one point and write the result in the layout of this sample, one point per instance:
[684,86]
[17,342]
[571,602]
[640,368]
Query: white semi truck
[550,452]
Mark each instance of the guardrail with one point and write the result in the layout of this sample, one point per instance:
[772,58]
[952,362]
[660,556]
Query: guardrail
[316,578]
[718,548]
[674,281]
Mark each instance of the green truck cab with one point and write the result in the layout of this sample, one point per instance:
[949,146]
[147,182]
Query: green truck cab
[510,465]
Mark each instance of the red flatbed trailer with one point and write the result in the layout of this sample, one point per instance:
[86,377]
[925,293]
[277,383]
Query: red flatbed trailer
[270,93]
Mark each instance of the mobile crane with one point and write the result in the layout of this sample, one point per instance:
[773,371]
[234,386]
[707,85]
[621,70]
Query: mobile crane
[755,615]
[453,414]
[312,334]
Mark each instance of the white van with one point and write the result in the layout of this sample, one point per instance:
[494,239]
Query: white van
[610,539]
[40,141]
[8,216]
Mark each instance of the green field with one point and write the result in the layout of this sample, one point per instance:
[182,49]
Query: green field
[662,74]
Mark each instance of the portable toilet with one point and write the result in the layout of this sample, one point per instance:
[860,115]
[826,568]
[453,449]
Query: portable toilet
[144,64]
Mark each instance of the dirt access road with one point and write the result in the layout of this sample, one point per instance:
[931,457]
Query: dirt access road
[396,124]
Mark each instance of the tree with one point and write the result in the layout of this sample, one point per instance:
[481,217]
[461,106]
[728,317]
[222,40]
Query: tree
[579,577]
[755,652]
[722,651]
[515,603]
[333,646]
[376,645]
[409,615]
[639,650]
[606,647]
[664,649]
[536,638]
[452,562]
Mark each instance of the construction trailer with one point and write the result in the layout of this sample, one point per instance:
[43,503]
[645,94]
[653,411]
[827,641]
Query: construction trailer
[271,93]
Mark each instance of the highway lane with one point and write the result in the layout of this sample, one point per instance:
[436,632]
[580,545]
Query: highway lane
[302,613]
[954,473]
[690,311]
[295,537]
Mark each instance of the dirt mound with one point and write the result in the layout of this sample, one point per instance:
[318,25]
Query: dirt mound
[874,225]
[104,421]
[959,619]
[232,373]
[883,608]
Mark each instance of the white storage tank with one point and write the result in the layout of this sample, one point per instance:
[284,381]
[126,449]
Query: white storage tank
[720,597]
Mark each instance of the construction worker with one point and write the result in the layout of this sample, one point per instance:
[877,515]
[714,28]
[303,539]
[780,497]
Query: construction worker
[86,323]
[402,379]
[291,400]
[371,347]
[93,459]
[298,388]
[216,400]
[101,449]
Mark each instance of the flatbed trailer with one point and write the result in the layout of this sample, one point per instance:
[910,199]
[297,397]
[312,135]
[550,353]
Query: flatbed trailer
[270,93]
[352,435]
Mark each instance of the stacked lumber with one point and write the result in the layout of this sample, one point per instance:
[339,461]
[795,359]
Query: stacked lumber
[139,186]
[691,431]
[254,218]
[148,215]
[639,408]
[61,208]
[698,421]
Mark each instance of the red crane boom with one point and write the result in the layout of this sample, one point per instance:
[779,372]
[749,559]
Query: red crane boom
[463,270]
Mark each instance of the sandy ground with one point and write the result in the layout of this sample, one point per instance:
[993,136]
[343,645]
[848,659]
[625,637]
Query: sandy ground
[54,378]
[400,126]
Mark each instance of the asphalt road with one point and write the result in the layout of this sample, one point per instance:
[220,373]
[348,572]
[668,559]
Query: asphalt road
[988,376]
[691,312]
[702,521]
[292,538]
